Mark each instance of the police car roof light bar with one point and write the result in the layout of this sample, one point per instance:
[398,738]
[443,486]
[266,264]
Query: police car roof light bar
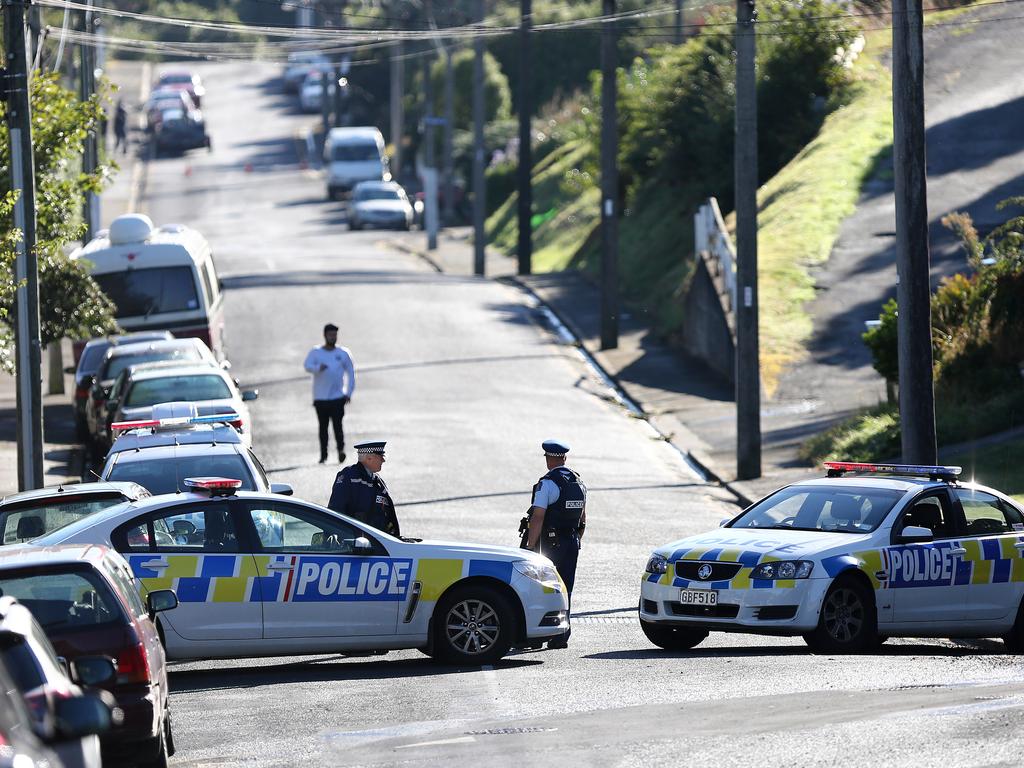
[175,421]
[934,472]
[216,486]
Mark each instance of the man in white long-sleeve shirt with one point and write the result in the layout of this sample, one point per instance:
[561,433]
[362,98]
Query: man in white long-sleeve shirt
[334,381]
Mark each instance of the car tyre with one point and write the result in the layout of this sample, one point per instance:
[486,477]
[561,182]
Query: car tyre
[670,637]
[848,621]
[1014,639]
[162,747]
[473,625]
[353,227]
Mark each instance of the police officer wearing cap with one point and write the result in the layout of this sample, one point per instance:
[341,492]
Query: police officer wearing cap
[360,493]
[558,517]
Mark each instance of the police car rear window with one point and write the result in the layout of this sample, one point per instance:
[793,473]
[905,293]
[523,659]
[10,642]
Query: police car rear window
[118,363]
[166,475]
[150,291]
[27,521]
[842,509]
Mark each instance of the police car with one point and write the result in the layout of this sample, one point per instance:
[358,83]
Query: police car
[869,552]
[259,574]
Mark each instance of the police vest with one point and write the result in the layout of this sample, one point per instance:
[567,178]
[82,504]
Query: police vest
[564,515]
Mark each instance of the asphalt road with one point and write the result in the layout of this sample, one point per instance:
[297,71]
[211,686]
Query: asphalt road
[463,379]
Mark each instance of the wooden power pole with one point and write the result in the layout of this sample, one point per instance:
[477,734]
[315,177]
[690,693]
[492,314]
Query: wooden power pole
[524,248]
[609,186]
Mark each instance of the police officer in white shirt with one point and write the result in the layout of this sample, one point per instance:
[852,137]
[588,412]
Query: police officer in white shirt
[334,381]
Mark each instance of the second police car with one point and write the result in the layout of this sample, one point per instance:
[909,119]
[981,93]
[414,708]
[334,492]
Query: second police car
[869,552]
[258,574]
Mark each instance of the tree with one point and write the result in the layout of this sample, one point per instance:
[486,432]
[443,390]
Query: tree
[71,304]
[497,96]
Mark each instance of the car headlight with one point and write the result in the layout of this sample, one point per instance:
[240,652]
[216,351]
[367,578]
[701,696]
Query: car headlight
[539,572]
[783,569]
[657,564]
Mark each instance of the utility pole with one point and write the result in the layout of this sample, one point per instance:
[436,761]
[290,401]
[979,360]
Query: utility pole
[748,373]
[325,98]
[449,136]
[479,184]
[430,166]
[338,107]
[397,116]
[913,262]
[87,87]
[524,249]
[680,33]
[609,186]
[28,351]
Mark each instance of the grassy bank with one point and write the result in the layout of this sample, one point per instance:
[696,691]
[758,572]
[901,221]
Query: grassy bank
[997,466]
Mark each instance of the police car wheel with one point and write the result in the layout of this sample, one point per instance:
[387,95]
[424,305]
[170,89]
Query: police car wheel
[1014,640]
[473,625]
[847,622]
[673,638]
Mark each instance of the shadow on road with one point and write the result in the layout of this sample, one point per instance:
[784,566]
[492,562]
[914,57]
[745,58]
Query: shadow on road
[325,277]
[522,492]
[328,669]
[900,650]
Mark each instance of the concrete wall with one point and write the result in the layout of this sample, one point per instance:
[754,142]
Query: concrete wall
[707,323]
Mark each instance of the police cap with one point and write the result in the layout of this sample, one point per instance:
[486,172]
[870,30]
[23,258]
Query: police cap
[555,448]
[374,447]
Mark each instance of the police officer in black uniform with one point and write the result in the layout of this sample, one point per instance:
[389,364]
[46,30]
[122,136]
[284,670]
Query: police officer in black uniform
[557,518]
[360,493]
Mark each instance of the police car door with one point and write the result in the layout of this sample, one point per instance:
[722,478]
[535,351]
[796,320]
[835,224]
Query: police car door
[927,578]
[194,550]
[316,582]
[994,540]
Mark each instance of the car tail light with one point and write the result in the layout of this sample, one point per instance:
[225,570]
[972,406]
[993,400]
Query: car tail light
[133,665]
[238,424]
[98,396]
[82,392]
[38,706]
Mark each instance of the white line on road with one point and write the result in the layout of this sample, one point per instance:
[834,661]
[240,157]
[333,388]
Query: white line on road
[456,740]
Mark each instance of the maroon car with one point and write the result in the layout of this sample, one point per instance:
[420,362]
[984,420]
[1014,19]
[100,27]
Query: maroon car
[84,599]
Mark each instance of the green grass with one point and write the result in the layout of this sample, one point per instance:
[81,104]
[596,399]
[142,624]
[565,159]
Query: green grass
[802,208]
[998,466]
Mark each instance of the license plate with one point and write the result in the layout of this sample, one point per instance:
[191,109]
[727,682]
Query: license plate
[698,597]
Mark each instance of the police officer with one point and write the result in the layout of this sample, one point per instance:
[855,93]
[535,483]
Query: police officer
[558,517]
[360,493]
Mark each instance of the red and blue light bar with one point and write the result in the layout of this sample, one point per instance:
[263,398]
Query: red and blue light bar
[838,468]
[230,417]
[216,486]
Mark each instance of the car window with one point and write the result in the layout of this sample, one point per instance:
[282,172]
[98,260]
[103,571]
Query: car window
[21,661]
[119,362]
[282,527]
[92,356]
[150,291]
[123,581]
[377,193]
[29,521]
[197,529]
[846,509]
[208,284]
[354,153]
[63,599]
[986,514]
[168,388]
[932,511]
[259,469]
[167,474]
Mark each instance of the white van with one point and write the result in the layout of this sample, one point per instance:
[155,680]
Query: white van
[352,155]
[159,279]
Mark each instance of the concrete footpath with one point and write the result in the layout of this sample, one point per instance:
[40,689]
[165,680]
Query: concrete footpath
[683,399]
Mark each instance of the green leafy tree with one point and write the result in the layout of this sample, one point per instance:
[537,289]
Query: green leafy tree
[71,304]
[497,97]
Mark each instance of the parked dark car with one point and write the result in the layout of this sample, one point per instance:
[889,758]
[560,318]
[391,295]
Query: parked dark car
[86,602]
[121,357]
[22,748]
[180,130]
[26,515]
[67,718]
[89,362]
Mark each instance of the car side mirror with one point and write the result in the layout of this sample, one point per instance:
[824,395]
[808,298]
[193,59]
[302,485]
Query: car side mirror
[282,488]
[913,534]
[225,365]
[93,671]
[250,394]
[362,546]
[160,600]
[82,716]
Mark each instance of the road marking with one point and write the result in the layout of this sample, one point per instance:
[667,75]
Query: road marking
[439,742]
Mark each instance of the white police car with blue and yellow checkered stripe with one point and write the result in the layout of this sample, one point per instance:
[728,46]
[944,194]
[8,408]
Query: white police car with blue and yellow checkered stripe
[257,574]
[869,552]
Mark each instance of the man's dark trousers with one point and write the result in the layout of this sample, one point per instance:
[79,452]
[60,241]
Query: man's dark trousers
[332,411]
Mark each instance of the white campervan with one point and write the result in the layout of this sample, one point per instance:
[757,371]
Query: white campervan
[352,155]
[159,279]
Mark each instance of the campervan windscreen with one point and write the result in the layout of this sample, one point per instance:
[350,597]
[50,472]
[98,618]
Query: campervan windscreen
[354,153]
[151,291]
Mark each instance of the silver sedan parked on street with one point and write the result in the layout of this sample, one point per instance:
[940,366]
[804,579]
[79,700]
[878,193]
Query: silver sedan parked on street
[381,204]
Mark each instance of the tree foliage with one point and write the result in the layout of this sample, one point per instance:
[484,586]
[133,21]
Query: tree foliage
[71,304]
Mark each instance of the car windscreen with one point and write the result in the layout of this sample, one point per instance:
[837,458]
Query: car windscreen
[354,153]
[174,388]
[377,194]
[167,474]
[183,77]
[26,521]
[150,291]
[120,362]
[846,509]
[92,356]
[63,599]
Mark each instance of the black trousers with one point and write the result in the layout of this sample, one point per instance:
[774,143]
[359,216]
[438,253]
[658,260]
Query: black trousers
[330,412]
[564,556]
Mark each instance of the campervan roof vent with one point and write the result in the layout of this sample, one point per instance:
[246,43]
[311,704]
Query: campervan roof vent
[130,228]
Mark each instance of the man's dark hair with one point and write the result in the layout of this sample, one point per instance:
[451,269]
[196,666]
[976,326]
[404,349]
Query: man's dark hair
[330,327]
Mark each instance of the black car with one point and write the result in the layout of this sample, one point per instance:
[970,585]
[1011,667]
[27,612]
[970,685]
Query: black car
[181,130]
